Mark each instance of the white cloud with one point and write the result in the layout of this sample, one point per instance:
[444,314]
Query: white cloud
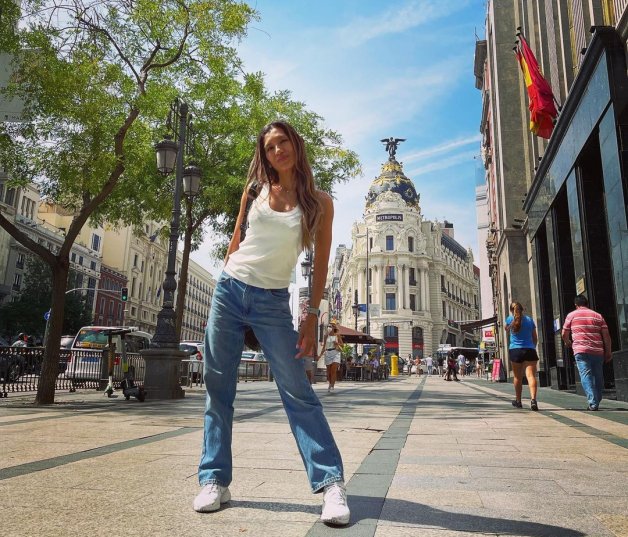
[445,147]
[395,20]
[443,164]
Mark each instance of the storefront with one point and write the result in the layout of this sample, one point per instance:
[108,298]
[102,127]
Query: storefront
[577,216]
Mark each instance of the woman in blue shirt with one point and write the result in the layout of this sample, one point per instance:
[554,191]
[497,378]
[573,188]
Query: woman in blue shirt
[522,352]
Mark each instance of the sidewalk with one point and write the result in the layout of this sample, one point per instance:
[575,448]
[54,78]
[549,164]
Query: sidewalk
[423,457]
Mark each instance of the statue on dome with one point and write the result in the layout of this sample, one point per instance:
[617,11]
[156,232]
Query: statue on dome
[391,146]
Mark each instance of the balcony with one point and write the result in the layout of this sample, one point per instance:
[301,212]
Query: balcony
[390,281]
[412,282]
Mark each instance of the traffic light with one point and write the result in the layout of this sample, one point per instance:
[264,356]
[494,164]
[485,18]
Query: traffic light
[124,294]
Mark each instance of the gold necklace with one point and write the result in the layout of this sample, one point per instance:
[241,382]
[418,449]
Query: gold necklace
[281,188]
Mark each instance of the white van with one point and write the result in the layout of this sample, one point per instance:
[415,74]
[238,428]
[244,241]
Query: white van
[87,351]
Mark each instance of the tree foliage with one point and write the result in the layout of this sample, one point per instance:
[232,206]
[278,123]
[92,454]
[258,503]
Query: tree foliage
[96,78]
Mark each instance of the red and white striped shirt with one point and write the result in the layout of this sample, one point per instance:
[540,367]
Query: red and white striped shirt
[586,328]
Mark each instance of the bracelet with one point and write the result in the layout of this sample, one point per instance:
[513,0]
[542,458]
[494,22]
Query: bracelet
[314,311]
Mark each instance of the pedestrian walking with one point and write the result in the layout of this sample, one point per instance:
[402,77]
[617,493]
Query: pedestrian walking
[287,216]
[440,361]
[462,365]
[429,362]
[522,352]
[451,368]
[331,347]
[21,341]
[587,333]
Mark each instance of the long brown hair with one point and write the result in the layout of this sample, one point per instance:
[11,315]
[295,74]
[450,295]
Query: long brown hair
[261,171]
[517,312]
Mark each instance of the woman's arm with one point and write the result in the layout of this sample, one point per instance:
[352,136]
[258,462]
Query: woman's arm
[535,337]
[322,246]
[234,244]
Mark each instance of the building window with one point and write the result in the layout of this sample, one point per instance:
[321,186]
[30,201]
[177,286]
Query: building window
[73,257]
[390,243]
[120,311]
[390,275]
[413,302]
[412,276]
[391,302]
[444,310]
[96,242]
[102,306]
[80,262]
[410,244]
[135,259]
[92,265]
[19,263]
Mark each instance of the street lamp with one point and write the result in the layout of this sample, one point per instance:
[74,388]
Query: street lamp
[163,358]
[355,309]
[189,179]
[368,282]
[307,266]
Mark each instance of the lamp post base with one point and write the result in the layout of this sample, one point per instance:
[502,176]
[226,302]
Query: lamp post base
[163,368]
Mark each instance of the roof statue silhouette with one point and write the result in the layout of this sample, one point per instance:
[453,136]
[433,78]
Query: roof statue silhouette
[391,146]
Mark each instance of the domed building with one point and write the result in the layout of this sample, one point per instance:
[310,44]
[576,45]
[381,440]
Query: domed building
[421,282]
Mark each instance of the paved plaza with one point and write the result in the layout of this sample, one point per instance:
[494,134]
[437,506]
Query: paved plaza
[423,457]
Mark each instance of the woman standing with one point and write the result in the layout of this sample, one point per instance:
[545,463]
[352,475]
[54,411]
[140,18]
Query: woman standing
[288,215]
[332,346]
[522,352]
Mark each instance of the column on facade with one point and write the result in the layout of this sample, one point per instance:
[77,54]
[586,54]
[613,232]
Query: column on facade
[423,290]
[381,269]
[401,294]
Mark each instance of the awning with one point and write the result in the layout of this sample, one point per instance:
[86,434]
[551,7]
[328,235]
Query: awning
[353,336]
[478,324]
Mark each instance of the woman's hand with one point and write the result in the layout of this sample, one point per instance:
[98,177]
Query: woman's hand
[307,337]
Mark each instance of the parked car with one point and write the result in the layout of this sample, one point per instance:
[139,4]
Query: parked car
[250,364]
[87,350]
[64,356]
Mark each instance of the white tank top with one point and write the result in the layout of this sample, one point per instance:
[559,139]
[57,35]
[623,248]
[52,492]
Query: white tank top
[269,252]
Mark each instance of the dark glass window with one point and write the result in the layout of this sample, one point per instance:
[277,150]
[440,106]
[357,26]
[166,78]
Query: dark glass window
[390,243]
[410,244]
[391,302]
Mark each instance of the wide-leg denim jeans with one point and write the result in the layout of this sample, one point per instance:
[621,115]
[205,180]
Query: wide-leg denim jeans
[591,369]
[236,305]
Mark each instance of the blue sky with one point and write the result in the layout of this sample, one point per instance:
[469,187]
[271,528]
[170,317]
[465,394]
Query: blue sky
[374,69]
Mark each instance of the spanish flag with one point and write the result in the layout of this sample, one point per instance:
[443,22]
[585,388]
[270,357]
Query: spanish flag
[542,109]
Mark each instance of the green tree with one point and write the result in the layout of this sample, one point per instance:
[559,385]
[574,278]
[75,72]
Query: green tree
[230,116]
[96,79]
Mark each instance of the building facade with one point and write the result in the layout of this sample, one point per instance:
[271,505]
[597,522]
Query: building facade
[414,284]
[565,198]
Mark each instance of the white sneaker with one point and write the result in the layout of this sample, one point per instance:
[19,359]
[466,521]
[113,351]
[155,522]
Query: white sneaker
[210,497]
[335,508]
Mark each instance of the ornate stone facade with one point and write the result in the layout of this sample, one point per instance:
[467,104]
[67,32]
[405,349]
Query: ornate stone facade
[422,282]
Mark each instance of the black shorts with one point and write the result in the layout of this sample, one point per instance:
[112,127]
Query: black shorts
[518,356]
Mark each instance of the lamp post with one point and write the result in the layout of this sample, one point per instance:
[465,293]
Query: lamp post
[163,359]
[355,309]
[368,282]
[307,267]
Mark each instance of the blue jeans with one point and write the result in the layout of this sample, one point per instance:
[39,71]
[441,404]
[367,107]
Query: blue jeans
[591,368]
[236,305]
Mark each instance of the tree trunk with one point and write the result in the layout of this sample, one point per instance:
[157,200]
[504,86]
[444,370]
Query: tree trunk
[50,365]
[183,273]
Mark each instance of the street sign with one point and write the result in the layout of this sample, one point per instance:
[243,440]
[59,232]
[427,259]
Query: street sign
[47,315]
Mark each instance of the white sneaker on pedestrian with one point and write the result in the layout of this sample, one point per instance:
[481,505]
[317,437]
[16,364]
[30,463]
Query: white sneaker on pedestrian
[210,497]
[335,508]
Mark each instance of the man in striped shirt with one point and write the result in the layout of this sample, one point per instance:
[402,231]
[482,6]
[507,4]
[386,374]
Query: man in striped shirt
[591,344]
